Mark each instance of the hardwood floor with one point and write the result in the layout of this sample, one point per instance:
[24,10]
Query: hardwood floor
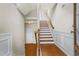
[46,49]
[51,50]
[30,49]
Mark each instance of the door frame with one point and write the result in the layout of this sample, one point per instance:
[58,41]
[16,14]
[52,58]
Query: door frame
[74,25]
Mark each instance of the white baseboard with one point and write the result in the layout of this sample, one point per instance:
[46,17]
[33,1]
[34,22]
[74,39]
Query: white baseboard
[63,49]
[30,43]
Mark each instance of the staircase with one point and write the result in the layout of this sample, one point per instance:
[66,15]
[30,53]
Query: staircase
[45,35]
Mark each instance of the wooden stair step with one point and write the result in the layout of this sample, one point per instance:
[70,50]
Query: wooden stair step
[45,34]
[45,37]
[43,23]
[44,30]
[46,40]
[44,27]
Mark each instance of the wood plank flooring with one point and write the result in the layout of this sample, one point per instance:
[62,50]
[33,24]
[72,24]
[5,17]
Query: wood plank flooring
[30,49]
[46,49]
[51,50]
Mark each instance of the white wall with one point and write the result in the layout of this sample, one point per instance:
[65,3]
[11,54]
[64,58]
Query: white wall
[30,29]
[63,17]
[62,20]
[42,15]
[11,21]
[43,9]
[27,6]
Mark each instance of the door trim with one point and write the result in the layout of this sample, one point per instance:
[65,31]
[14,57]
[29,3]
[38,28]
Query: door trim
[74,25]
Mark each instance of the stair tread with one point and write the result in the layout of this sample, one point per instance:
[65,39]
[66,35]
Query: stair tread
[46,40]
[44,32]
[44,29]
[45,37]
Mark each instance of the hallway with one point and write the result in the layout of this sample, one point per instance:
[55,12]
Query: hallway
[45,42]
[40,29]
[45,35]
[46,50]
[51,50]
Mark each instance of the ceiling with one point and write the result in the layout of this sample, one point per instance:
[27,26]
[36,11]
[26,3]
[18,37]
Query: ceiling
[31,9]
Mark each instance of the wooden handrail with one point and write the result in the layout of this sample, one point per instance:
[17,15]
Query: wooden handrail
[50,22]
[36,37]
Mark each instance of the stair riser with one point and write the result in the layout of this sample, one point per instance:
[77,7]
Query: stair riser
[46,40]
[45,37]
[44,29]
[45,33]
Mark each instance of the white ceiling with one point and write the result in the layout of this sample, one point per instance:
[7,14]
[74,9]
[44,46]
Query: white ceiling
[46,6]
[30,9]
[26,7]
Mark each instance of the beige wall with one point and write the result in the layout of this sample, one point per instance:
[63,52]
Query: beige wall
[11,21]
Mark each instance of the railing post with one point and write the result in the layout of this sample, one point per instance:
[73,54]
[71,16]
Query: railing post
[37,42]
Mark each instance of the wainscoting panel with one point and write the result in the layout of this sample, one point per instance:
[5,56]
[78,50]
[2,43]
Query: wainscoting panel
[5,44]
[65,41]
